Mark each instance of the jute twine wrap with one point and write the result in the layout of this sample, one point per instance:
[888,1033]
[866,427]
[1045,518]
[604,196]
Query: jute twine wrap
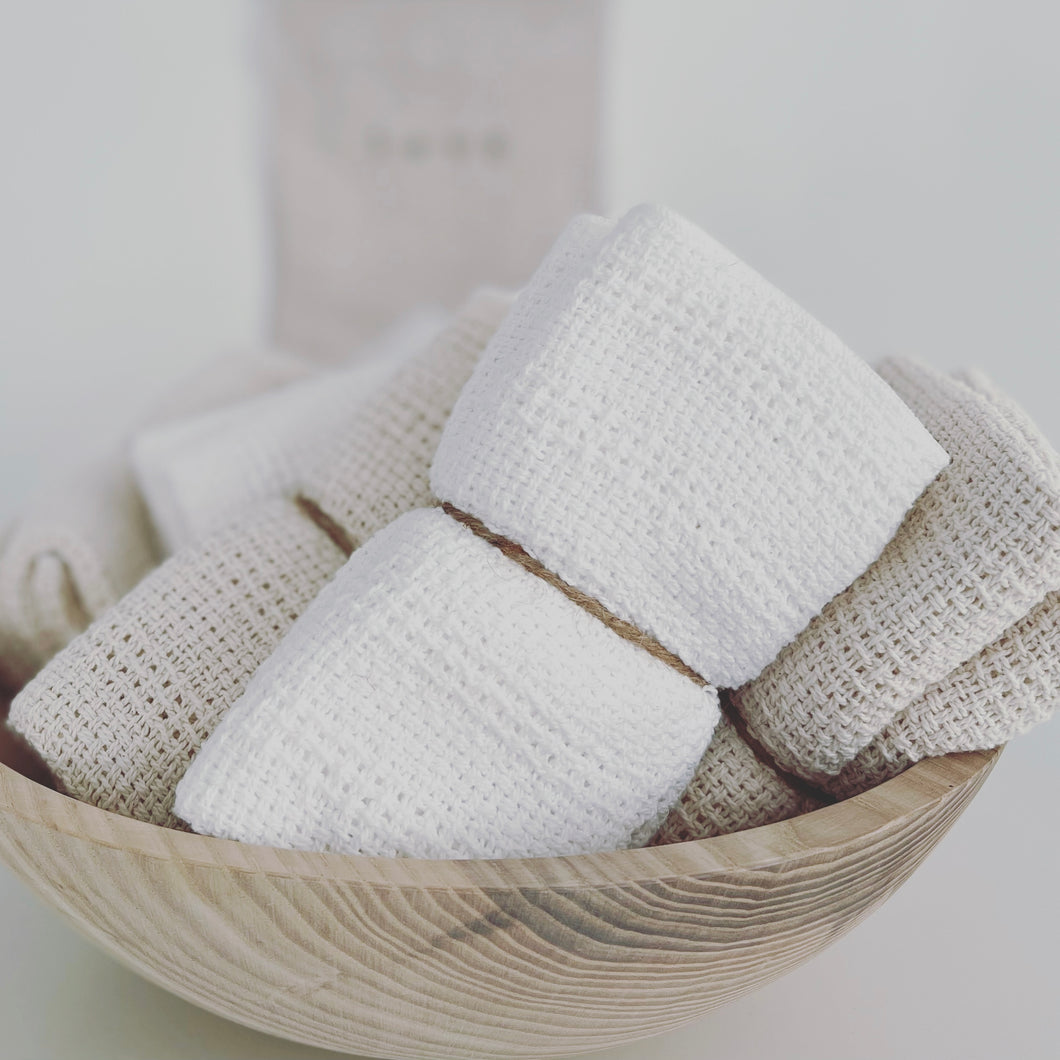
[120,713]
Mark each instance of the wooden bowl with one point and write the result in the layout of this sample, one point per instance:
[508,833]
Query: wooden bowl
[518,958]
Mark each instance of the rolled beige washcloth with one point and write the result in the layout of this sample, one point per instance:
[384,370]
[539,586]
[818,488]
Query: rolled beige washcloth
[199,473]
[1005,690]
[82,543]
[971,564]
[671,437]
[119,713]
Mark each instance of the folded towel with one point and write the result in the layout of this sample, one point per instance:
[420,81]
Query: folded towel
[980,549]
[662,431]
[524,728]
[681,441]
[952,612]
[1005,690]
[83,543]
[199,473]
[119,713]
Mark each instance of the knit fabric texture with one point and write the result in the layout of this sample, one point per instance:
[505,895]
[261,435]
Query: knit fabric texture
[976,553]
[119,714]
[85,541]
[670,434]
[1001,470]
[383,726]
[200,473]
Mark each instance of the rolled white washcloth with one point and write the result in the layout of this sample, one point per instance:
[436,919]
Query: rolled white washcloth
[200,473]
[666,432]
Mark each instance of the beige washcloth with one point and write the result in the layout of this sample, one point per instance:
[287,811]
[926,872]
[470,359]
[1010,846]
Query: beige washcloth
[118,715]
[84,542]
[899,659]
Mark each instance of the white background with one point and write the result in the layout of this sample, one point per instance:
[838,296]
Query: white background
[895,167]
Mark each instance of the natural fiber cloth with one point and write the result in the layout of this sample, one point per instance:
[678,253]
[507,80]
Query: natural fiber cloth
[989,695]
[1006,689]
[85,541]
[118,715]
[199,473]
[437,700]
[977,552]
[675,437]
[461,694]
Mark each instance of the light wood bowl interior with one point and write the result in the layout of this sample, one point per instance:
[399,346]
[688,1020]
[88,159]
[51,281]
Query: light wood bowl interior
[517,958]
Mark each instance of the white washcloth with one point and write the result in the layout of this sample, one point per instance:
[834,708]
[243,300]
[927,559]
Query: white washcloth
[199,473]
[83,542]
[382,726]
[653,422]
[118,715]
[672,435]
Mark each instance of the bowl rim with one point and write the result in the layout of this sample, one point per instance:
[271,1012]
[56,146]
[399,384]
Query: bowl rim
[806,837]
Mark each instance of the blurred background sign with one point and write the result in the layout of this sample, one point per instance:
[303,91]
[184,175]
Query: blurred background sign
[417,150]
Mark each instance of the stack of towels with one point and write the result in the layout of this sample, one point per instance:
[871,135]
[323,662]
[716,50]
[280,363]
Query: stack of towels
[642,554]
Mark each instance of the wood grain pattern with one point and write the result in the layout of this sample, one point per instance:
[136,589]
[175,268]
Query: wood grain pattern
[476,959]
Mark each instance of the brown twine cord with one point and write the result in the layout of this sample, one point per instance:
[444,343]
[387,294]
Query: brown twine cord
[626,630]
[630,632]
[342,540]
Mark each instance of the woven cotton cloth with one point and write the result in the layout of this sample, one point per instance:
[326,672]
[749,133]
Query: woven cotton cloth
[597,408]
[1003,691]
[118,715]
[199,473]
[675,437]
[382,726]
[996,501]
[85,541]
[977,552]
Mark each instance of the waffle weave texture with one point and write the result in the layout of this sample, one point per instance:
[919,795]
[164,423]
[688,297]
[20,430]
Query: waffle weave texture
[382,726]
[673,436]
[571,415]
[202,472]
[988,695]
[119,714]
[84,542]
[1004,691]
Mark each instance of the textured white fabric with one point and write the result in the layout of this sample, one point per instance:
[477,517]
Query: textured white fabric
[384,725]
[199,473]
[84,541]
[670,434]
